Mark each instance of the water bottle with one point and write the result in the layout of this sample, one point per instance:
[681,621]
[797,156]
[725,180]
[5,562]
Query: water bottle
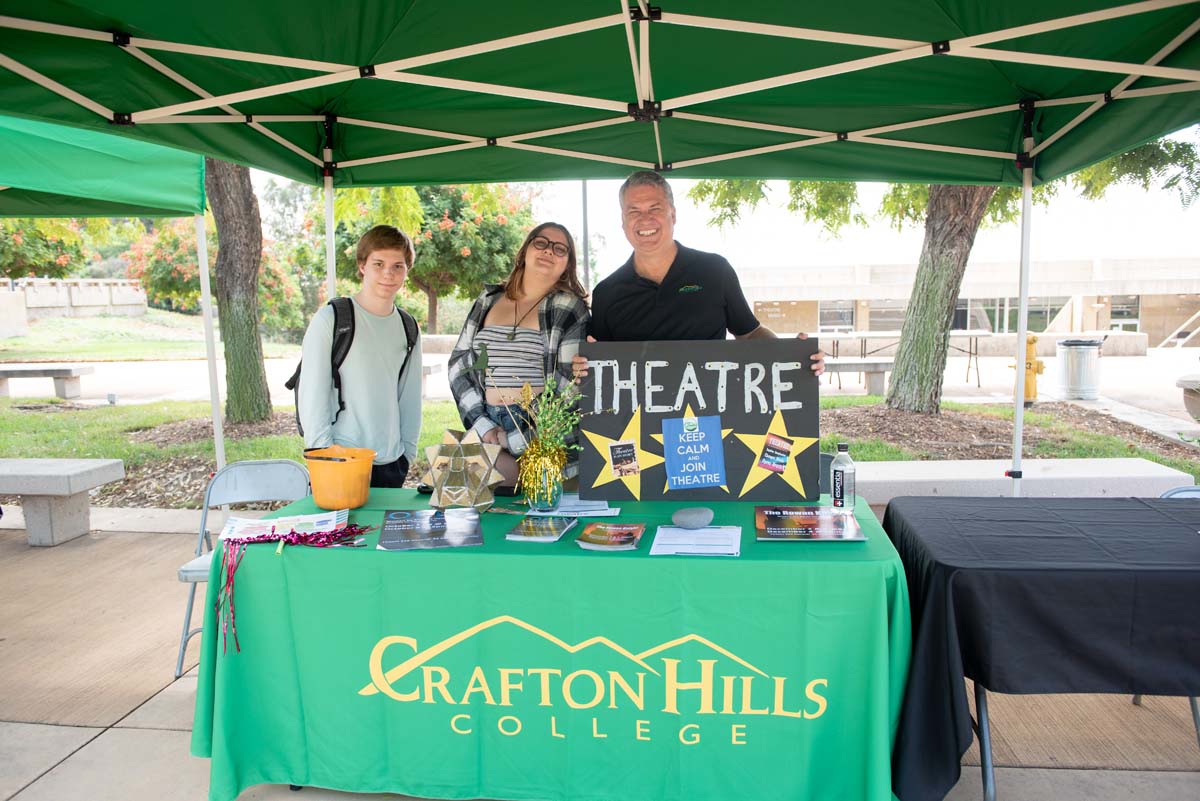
[841,478]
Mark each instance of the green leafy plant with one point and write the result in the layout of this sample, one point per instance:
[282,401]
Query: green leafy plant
[553,412]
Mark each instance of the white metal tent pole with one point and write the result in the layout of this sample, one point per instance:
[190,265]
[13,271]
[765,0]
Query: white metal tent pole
[330,224]
[210,344]
[330,261]
[587,255]
[1022,324]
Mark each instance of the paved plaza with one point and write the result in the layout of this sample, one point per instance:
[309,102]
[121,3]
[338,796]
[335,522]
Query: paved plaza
[88,629]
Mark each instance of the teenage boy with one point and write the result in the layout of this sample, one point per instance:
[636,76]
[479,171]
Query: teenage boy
[382,403]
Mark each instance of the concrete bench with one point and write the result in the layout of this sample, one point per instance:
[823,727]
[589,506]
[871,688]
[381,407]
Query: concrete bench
[54,493]
[66,379]
[879,482]
[428,370]
[1190,384]
[875,369]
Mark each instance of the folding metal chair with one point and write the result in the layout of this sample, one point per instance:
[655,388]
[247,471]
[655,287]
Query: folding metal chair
[1182,492]
[240,482]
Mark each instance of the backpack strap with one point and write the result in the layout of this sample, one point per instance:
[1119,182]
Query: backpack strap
[343,338]
[412,334]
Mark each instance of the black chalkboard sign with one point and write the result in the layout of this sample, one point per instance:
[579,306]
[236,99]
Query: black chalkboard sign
[700,420]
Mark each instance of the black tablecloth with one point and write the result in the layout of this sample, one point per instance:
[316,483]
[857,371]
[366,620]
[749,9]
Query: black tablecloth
[1038,595]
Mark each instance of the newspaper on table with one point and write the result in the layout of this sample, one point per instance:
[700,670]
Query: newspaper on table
[239,527]
[707,541]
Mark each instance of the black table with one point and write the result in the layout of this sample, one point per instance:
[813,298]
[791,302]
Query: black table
[1038,595]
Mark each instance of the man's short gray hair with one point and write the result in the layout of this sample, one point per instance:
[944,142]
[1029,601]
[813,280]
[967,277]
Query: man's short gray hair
[646,178]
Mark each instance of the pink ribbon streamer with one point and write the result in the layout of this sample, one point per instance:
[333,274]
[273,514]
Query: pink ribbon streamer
[235,549]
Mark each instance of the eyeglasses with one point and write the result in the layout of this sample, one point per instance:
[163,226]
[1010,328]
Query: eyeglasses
[541,243]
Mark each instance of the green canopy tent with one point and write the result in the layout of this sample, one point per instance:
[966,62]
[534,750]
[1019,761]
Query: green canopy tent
[54,171]
[949,91]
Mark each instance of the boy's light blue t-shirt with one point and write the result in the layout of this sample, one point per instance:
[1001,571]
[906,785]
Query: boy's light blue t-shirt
[379,414]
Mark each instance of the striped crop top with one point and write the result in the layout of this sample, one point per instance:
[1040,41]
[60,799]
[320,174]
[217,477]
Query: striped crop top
[516,361]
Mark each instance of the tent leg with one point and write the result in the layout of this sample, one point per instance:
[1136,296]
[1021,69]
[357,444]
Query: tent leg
[1022,331]
[210,345]
[587,256]
[330,261]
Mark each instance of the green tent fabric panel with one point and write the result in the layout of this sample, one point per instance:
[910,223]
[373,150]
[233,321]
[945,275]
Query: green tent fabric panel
[89,172]
[25,203]
[596,63]
[1116,128]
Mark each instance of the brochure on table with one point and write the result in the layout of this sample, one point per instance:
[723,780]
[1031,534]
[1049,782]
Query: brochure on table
[240,527]
[603,536]
[806,524]
[540,529]
[406,530]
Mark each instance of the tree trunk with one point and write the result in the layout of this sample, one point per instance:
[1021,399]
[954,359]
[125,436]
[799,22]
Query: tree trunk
[952,219]
[431,315]
[239,256]
[431,299]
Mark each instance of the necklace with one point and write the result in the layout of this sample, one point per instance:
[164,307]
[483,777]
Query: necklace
[517,322]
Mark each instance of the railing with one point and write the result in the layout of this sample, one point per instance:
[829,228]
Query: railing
[1173,339]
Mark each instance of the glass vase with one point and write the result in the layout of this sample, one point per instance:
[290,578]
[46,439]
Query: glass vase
[547,493]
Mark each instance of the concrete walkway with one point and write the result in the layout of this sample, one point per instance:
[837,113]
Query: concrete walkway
[137,748]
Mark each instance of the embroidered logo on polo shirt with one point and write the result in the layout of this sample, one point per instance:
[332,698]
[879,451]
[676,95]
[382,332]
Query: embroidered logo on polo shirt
[690,288]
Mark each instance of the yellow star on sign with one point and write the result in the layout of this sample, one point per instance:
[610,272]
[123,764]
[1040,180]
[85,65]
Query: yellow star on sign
[645,459]
[756,443]
[687,412]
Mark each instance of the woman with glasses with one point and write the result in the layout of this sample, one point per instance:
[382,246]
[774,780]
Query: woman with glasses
[530,327]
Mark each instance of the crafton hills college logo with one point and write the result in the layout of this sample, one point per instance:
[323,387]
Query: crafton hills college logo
[683,686]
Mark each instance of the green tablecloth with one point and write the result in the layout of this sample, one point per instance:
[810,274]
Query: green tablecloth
[543,671]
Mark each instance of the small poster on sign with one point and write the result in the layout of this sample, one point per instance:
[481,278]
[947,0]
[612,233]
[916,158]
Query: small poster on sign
[695,455]
[624,458]
[774,456]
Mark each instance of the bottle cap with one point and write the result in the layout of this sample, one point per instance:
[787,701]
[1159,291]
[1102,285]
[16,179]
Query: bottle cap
[843,447]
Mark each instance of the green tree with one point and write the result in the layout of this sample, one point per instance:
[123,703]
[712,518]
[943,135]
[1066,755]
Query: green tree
[164,261]
[469,239]
[952,216]
[57,247]
[465,236]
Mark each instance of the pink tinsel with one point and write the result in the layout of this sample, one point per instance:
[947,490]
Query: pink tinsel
[235,549]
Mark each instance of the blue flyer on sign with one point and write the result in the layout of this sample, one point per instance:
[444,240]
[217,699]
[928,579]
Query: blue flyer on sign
[694,452]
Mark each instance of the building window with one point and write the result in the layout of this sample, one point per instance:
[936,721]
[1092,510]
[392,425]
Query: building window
[887,315]
[1041,312]
[974,314]
[836,315]
[1125,312]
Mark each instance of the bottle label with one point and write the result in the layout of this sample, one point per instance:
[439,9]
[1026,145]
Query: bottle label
[838,488]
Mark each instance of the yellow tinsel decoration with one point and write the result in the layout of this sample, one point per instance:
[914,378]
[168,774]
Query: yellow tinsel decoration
[538,469]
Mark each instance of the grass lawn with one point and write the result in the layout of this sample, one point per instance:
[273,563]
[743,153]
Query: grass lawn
[103,432]
[1078,444]
[155,336]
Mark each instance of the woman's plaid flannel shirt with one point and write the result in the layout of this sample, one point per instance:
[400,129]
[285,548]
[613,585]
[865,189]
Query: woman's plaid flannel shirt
[563,319]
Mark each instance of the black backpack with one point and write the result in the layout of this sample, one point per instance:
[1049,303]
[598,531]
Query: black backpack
[343,338]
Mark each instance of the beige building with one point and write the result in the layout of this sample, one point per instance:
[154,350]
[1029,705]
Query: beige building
[1157,297]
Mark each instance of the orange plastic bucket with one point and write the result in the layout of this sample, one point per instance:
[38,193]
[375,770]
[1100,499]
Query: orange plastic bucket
[341,477]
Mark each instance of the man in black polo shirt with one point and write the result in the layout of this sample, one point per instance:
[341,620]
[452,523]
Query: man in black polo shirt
[667,291]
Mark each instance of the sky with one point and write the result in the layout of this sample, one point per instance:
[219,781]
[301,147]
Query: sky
[1126,223]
